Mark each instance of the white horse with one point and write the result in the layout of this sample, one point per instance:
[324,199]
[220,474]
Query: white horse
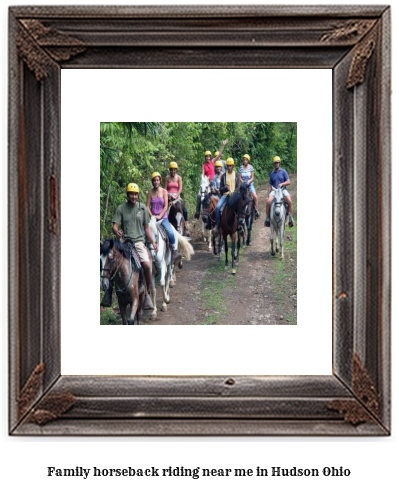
[204,192]
[163,271]
[278,221]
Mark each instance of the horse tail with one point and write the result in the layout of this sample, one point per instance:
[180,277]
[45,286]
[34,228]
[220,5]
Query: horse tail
[184,246]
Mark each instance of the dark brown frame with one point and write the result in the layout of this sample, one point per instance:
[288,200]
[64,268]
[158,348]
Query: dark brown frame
[353,41]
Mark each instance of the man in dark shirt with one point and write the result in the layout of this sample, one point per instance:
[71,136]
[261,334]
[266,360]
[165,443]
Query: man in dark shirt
[279,179]
[133,217]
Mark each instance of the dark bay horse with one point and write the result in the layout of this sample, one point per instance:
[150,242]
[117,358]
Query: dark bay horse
[232,222]
[116,266]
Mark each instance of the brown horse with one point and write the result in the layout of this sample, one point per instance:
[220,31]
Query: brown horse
[209,215]
[176,215]
[232,222]
[118,267]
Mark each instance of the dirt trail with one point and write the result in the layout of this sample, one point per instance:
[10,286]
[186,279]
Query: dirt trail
[264,291]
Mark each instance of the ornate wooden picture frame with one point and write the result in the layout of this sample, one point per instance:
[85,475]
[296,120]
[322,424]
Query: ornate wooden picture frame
[352,41]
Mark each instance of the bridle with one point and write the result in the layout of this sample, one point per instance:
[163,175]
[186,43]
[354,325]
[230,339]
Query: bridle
[111,278]
[210,210]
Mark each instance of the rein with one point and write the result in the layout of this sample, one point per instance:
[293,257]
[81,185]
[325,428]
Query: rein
[117,289]
[210,210]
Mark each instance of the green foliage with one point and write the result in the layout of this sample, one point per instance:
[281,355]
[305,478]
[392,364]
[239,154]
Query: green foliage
[130,152]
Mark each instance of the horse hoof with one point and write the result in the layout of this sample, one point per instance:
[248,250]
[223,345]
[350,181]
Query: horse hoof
[233,272]
[153,317]
[172,283]
[180,264]
[273,253]
[164,308]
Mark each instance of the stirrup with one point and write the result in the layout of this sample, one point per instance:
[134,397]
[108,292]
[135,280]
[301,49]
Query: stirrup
[291,222]
[267,222]
[257,214]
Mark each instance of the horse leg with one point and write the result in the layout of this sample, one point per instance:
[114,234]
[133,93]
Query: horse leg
[165,290]
[220,248]
[153,314]
[202,227]
[213,243]
[172,282]
[135,305]
[282,241]
[237,256]
[272,239]
[233,252]
[122,309]
[249,231]
[226,249]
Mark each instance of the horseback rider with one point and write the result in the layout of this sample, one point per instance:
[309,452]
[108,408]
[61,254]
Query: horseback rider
[224,168]
[133,217]
[157,205]
[174,187]
[215,183]
[247,176]
[279,179]
[208,169]
[229,182]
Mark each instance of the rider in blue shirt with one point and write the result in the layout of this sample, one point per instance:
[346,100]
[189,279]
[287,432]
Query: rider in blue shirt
[279,179]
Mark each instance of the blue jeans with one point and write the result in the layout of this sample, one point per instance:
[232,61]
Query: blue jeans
[169,231]
[218,207]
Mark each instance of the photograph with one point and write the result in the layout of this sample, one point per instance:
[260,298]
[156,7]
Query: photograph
[309,72]
[198,223]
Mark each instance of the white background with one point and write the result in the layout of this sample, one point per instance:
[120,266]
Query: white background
[373,461]
[304,96]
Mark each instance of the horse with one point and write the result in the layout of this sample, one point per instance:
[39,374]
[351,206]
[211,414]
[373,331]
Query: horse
[117,265]
[176,215]
[278,220]
[209,214]
[163,270]
[204,191]
[232,221]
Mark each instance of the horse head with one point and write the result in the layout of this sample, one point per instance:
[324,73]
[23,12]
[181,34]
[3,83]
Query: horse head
[278,200]
[204,187]
[107,262]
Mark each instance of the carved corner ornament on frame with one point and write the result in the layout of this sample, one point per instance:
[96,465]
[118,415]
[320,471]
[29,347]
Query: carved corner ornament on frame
[353,42]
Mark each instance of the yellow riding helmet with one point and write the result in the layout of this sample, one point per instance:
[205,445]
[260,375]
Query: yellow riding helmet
[218,164]
[216,153]
[155,174]
[173,165]
[208,152]
[246,156]
[276,159]
[230,161]
[132,188]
